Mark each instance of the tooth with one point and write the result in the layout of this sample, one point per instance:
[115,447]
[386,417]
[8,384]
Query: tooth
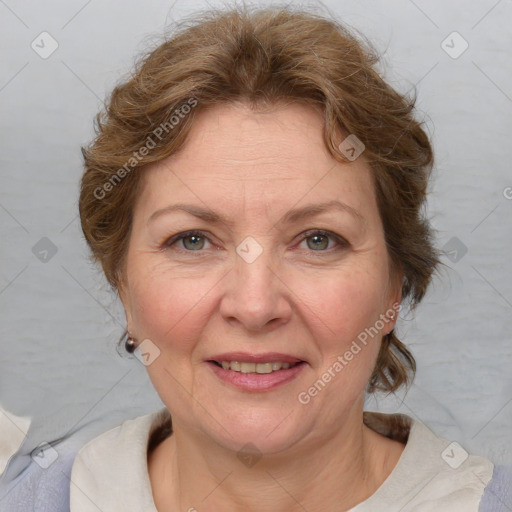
[247,367]
[264,368]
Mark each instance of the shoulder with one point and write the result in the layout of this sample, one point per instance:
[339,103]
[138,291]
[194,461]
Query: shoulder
[432,474]
[112,467]
[131,431]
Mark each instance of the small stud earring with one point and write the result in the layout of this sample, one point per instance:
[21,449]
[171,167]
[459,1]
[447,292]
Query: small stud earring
[130,344]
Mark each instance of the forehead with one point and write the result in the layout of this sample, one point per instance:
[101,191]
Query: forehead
[272,157]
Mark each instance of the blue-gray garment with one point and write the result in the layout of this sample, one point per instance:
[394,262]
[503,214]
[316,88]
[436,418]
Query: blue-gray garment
[497,495]
[37,489]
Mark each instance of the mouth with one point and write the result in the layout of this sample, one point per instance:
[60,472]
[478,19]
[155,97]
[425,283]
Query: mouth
[249,372]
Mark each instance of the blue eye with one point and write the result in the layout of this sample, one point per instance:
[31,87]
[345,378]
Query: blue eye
[320,240]
[197,239]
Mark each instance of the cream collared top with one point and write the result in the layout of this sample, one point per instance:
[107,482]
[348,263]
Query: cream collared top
[110,472]
[13,431]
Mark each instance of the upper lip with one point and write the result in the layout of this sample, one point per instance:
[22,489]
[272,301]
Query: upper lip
[246,357]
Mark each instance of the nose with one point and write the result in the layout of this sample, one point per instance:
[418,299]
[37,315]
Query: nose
[256,296]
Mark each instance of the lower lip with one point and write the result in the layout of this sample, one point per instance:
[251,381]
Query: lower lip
[257,381]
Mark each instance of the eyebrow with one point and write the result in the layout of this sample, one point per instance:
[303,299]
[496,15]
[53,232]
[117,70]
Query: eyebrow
[290,217]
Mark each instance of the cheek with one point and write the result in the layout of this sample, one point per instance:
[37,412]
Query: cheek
[344,310]
[346,303]
[349,305]
[164,307]
[166,312]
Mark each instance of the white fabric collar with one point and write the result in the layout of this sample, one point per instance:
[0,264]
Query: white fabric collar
[13,431]
[110,472]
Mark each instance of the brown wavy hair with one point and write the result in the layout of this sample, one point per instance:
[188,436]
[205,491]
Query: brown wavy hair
[265,57]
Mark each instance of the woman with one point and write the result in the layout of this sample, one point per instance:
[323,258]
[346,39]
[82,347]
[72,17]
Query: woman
[254,195]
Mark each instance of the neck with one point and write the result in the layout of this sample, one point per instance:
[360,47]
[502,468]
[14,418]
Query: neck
[189,472]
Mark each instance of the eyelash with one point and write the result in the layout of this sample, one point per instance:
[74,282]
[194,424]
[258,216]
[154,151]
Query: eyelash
[307,234]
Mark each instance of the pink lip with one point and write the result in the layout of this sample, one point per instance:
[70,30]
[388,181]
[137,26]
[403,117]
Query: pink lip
[244,357]
[257,382]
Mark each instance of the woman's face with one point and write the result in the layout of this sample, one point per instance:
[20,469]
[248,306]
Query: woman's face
[262,286]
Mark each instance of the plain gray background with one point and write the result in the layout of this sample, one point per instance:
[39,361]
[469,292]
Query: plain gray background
[59,321]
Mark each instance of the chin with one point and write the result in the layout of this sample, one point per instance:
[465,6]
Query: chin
[271,430]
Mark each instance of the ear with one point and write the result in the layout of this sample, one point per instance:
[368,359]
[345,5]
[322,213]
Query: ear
[124,297]
[394,300]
